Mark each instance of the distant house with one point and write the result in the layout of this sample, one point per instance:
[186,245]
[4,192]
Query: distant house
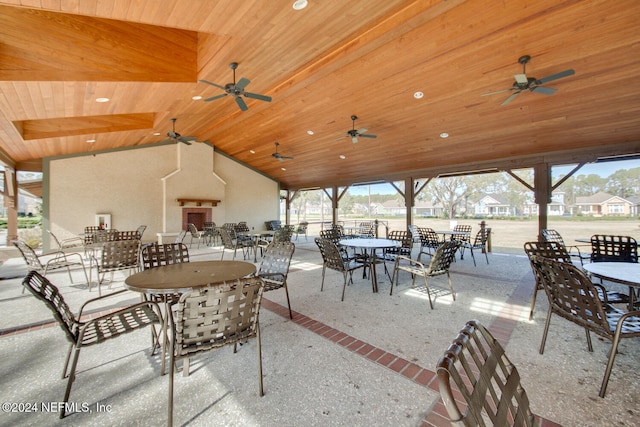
[556,207]
[601,204]
[427,208]
[493,205]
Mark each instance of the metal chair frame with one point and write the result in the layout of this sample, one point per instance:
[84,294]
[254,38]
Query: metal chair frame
[475,370]
[333,260]
[81,333]
[439,265]
[212,317]
[574,297]
[274,268]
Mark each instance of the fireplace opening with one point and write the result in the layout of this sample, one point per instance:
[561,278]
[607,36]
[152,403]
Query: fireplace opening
[196,216]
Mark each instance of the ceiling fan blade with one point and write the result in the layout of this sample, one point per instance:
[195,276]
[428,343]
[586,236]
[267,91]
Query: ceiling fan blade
[184,141]
[242,83]
[521,78]
[557,76]
[212,84]
[241,103]
[354,139]
[543,90]
[367,136]
[511,97]
[279,158]
[188,138]
[164,141]
[497,91]
[213,98]
[361,131]
[342,137]
[257,96]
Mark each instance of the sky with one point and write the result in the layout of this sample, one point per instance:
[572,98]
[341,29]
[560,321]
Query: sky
[603,169]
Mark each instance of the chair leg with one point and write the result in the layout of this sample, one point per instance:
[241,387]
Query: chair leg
[72,375]
[612,357]
[344,286]
[259,346]
[533,301]
[170,403]
[426,285]
[324,267]
[546,330]
[473,256]
[453,293]
[286,290]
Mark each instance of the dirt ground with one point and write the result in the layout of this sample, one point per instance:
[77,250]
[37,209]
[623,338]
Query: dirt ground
[508,236]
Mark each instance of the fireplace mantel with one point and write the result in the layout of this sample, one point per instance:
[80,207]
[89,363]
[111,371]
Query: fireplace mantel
[198,202]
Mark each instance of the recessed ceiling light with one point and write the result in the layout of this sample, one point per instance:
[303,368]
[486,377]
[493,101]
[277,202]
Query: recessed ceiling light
[418,95]
[91,141]
[102,99]
[444,135]
[342,156]
[284,169]
[196,98]
[252,151]
[300,4]
[156,134]
[310,132]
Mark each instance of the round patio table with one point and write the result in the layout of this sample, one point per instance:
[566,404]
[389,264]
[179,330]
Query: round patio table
[373,245]
[624,273]
[181,278]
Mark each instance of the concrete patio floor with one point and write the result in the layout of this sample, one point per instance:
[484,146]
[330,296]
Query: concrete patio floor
[367,361]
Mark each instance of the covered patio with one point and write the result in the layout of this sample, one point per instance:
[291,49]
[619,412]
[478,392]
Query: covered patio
[369,360]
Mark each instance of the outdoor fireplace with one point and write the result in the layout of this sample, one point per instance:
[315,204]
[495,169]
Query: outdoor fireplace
[196,216]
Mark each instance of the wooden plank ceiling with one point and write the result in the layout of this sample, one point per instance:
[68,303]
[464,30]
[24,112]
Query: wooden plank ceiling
[321,65]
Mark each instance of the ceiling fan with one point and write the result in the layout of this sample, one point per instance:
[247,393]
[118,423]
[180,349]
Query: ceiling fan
[354,134]
[523,82]
[174,136]
[236,90]
[279,156]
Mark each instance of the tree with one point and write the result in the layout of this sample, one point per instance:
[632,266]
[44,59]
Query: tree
[624,183]
[449,192]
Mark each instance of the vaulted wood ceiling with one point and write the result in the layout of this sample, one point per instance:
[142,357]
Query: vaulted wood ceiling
[321,65]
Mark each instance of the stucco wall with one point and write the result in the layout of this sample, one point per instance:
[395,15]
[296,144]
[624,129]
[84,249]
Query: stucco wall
[140,186]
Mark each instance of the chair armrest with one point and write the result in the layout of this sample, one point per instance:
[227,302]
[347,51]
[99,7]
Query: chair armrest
[89,301]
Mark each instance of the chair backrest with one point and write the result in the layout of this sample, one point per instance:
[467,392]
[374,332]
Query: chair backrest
[547,249]
[192,229]
[481,237]
[428,237]
[275,263]
[551,235]
[120,255]
[242,226]
[217,315]
[46,292]
[406,241]
[282,235]
[155,254]
[443,257]
[302,227]
[330,254]
[332,234]
[127,235]
[180,236]
[476,368]
[571,294]
[229,226]
[227,240]
[140,231]
[29,255]
[607,248]
[367,228]
[105,236]
[465,229]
